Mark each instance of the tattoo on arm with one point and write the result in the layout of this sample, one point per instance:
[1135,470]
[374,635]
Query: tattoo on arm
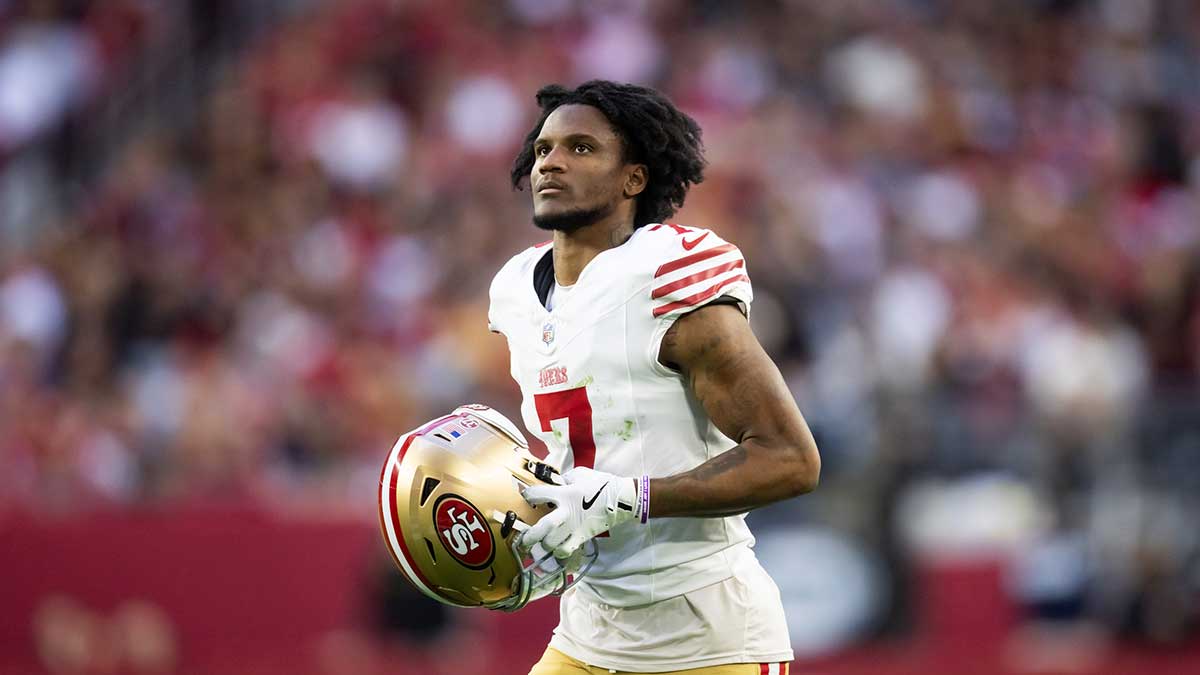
[682,486]
[722,463]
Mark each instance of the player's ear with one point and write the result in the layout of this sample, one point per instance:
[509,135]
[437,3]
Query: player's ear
[635,180]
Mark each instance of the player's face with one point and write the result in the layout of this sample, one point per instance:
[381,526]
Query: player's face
[579,169]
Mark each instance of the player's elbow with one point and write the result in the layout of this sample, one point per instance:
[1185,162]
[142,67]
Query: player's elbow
[806,473]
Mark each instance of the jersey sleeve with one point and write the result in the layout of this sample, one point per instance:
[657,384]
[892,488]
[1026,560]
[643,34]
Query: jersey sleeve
[691,268]
[691,277]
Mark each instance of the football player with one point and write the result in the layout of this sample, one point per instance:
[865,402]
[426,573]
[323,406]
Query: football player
[630,342]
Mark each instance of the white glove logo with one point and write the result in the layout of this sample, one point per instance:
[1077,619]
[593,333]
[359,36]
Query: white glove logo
[589,503]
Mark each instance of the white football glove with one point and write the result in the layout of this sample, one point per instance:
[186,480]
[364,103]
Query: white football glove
[589,503]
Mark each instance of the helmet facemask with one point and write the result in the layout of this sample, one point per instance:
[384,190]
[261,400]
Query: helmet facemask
[542,573]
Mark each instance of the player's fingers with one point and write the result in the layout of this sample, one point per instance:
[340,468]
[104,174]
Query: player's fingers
[572,563]
[540,529]
[555,537]
[546,561]
[541,494]
[567,547]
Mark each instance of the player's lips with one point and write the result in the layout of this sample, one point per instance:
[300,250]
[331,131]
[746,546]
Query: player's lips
[550,187]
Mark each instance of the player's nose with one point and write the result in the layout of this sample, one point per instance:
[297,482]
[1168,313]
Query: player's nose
[554,160]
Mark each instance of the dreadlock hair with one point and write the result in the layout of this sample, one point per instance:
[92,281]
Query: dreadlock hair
[653,131]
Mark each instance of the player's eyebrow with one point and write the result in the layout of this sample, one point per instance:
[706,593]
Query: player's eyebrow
[577,136]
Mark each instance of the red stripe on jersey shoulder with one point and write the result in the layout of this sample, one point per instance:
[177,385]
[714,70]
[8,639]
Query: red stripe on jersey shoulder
[699,297]
[698,276]
[680,263]
[544,243]
[679,229]
[763,669]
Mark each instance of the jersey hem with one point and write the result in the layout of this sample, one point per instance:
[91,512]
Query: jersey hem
[713,568]
[578,653]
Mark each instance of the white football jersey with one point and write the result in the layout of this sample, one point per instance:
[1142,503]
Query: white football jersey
[596,395]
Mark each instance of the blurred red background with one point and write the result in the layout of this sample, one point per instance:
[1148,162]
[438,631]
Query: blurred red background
[245,245]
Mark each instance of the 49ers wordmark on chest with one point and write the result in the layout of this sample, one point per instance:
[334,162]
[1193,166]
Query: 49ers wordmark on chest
[463,532]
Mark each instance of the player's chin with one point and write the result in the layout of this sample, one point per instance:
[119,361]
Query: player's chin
[553,203]
[543,206]
[556,217]
[567,217]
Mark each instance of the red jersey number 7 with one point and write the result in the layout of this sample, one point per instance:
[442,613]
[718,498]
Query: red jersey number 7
[573,406]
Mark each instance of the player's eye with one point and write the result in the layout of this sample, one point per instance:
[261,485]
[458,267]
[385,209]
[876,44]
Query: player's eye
[582,148]
[541,150]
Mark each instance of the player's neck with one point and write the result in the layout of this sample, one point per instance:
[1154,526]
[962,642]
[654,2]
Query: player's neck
[574,250]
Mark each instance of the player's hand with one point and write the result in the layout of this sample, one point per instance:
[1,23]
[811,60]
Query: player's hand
[589,503]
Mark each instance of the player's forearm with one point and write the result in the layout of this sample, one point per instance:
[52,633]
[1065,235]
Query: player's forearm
[738,480]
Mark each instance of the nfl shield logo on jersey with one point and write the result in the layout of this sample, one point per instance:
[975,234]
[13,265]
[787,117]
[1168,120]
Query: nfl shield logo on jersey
[548,333]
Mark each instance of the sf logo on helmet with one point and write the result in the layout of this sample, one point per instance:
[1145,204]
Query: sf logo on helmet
[463,532]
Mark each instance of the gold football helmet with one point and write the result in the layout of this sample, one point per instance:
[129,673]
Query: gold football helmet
[452,514]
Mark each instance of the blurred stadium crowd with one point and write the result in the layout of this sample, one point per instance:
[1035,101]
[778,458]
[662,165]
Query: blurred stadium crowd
[244,246]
